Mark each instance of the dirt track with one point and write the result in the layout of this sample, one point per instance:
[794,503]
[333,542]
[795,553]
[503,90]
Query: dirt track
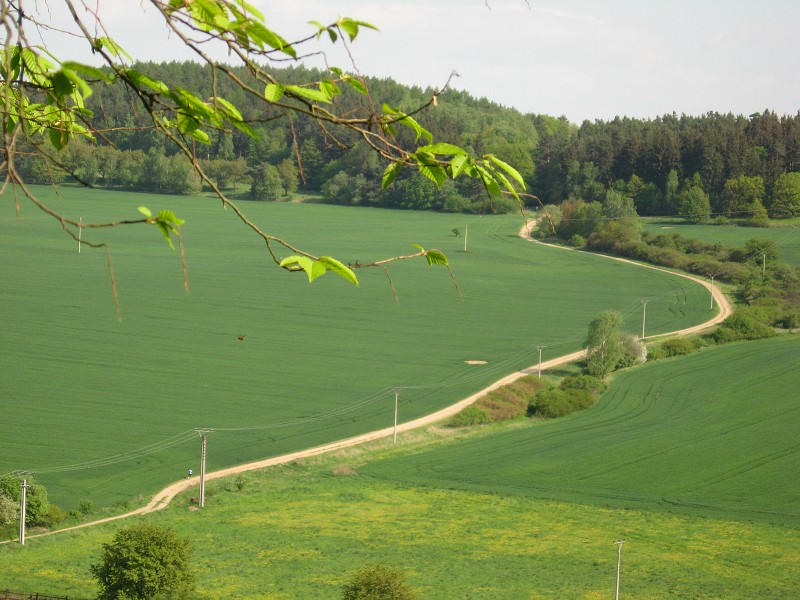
[165,496]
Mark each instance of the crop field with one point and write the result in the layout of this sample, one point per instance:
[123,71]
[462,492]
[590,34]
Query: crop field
[786,236]
[298,530]
[105,409]
[710,434]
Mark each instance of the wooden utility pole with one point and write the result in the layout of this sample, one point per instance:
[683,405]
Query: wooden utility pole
[396,401]
[619,562]
[644,315]
[203,436]
[540,348]
[22,499]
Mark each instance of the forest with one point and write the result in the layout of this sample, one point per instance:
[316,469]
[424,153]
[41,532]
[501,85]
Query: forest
[714,165]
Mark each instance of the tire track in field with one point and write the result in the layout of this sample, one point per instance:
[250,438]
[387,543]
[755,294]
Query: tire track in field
[163,498]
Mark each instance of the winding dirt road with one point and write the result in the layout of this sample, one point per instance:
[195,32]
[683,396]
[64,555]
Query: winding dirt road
[165,496]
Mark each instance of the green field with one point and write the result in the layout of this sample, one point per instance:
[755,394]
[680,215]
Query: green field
[104,410]
[786,236]
[297,531]
[711,434]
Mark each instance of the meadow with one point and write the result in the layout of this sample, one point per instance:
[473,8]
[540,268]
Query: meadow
[298,530]
[785,234]
[104,410]
[710,434]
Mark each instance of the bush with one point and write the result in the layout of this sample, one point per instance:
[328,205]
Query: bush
[634,352]
[577,241]
[472,415]
[553,403]
[377,582]
[677,347]
[145,561]
[593,385]
[36,504]
[741,326]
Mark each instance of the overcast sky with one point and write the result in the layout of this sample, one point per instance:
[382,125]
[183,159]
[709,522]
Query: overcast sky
[585,59]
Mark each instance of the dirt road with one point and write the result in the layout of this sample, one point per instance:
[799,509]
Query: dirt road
[165,496]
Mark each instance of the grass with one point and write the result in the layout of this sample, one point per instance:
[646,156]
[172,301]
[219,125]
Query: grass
[785,234]
[297,531]
[710,434]
[104,410]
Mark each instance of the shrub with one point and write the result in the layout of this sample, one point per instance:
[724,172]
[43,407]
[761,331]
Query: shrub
[677,347]
[741,326]
[634,352]
[145,561]
[553,403]
[472,415]
[577,241]
[36,504]
[9,510]
[593,385]
[377,582]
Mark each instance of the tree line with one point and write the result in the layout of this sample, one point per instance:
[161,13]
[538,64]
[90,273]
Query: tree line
[722,164]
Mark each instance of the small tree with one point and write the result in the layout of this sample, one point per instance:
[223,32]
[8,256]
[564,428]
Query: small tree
[603,343]
[377,582]
[36,504]
[145,561]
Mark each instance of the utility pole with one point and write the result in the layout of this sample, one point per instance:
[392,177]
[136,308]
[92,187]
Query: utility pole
[712,275]
[764,264]
[203,435]
[540,348]
[22,500]
[466,233]
[396,401]
[619,562]
[644,315]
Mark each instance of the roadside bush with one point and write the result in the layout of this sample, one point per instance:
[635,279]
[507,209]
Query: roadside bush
[36,504]
[577,241]
[634,352]
[378,582]
[553,403]
[677,347]
[472,415]
[593,385]
[741,326]
[9,511]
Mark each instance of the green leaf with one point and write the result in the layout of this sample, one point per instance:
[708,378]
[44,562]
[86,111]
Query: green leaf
[140,79]
[312,268]
[436,257]
[145,211]
[488,180]
[351,27]
[62,85]
[443,148]
[436,174]
[329,88]
[389,174]
[273,92]
[460,163]
[357,85]
[508,169]
[113,48]
[339,268]
[261,35]
[309,93]
[87,71]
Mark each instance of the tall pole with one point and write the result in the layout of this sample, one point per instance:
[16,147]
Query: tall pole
[644,315]
[466,233]
[619,562]
[712,275]
[540,348]
[22,499]
[764,264]
[396,400]
[80,233]
[203,436]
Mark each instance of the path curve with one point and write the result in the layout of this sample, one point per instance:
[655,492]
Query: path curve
[164,497]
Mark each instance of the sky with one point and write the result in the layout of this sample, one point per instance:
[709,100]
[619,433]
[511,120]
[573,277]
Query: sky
[583,59]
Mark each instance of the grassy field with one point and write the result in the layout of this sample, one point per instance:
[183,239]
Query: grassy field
[786,235]
[296,531]
[711,434]
[104,410]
